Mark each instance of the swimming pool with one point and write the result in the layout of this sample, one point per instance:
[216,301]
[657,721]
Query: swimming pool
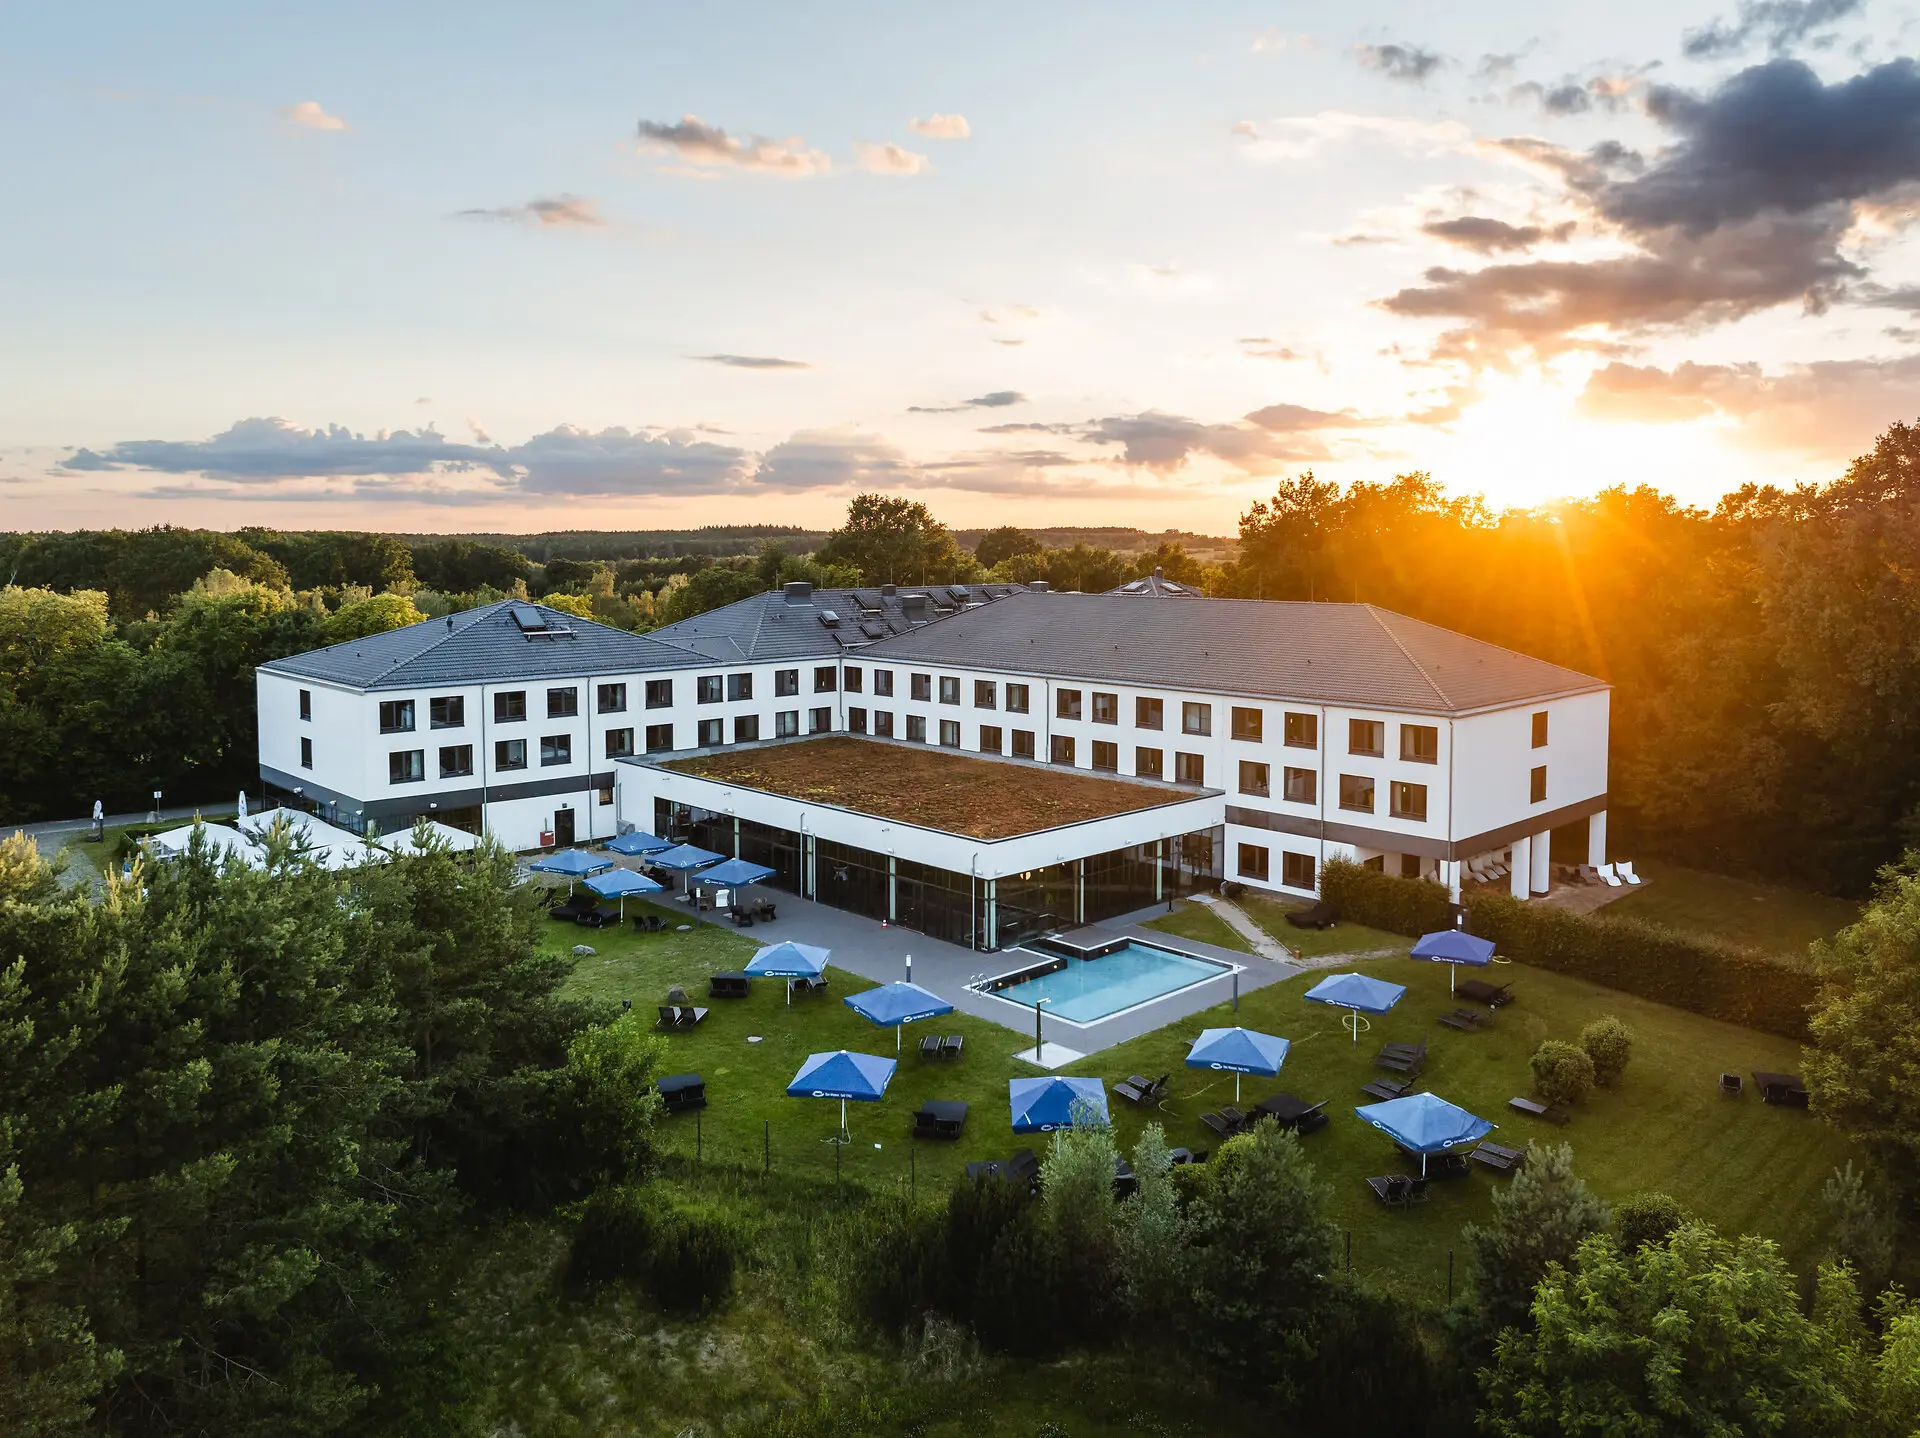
[1086,990]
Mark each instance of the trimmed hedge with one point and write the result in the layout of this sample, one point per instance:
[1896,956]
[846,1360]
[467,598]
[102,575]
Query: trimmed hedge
[1703,976]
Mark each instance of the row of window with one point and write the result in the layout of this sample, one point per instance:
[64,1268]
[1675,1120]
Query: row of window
[1296,870]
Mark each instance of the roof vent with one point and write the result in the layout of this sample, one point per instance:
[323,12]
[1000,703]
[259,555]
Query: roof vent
[887,591]
[449,624]
[1158,572]
[914,606]
[1038,586]
[829,618]
[797,591]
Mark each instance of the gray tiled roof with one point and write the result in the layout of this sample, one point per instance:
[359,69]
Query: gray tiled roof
[1311,652]
[481,646]
[778,625]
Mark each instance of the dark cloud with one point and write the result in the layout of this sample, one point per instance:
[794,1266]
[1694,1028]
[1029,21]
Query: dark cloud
[1486,236]
[1411,63]
[694,140]
[1576,95]
[1778,24]
[255,451]
[998,399]
[1497,67]
[1905,297]
[614,461]
[754,362]
[559,211]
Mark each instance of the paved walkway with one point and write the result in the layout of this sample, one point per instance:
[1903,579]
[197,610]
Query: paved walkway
[1241,922]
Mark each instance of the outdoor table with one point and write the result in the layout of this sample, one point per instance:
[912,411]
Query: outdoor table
[683,1091]
[1287,1109]
[1482,992]
[1787,1089]
[1438,1165]
[728,986]
[946,1115]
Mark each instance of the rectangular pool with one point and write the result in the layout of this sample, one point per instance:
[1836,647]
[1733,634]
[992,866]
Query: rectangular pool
[1086,990]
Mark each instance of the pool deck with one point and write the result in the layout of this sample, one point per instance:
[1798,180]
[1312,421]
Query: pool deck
[878,951]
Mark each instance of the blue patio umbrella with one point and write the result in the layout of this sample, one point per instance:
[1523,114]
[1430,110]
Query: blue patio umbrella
[1238,1051]
[1425,1123]
[735,872]
[684,856]
[1357,993]
[788,960]
[842,1075]
[638,843]
[571,864]
[1044,1104]
[618,883]
[896,1005]
[1453,948]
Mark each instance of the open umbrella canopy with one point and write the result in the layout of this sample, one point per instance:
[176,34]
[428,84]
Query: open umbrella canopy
[328,845]
[843,1075]
[788,960]
[1240,1051]
[406,841]
[222,843]
[1048,1103]
[638,843]
[1357,991]
[735,872]
[684,856]
[1451,946]
[571,864]
[619,883]
[1425,1122]
[893,1004]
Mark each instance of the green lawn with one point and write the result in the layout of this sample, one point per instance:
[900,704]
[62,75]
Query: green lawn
[1198,922]
[1761,915]
[1343,938]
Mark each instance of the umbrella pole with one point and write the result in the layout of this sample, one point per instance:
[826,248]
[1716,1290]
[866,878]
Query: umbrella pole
[843,1132]
[1453,972]
[1236,1088]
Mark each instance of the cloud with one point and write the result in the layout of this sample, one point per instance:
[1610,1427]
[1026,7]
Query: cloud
[1576,96]
[1263,347]
[1304,137]
[558,212]
[998,399]
[613,461]
[1411,63]
[1486,236]
[941,127]
[754,362]
[255,451]
[702,144]
[830,459]
[891,159]
[309,115]
[1298,419]
[1778,24]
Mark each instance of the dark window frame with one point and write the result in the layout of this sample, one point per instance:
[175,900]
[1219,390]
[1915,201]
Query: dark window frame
[456,771]
[1400,794]
[949,689]
[820,720]
[709,688]
[992,741]
[503,752]
[306,705]
[619,743]
[1060,751]
[826,679]
[1369,732]
[883,684]
[556,750]
[1540,729]
[1196,718]
[986,694]
[746,728]
[710,734]
[1019,697]
[1254,862]
[1256,778]
[786,724]
[1537,785]
[656,732]
[610,698]
[568,697]
[949,733]
[396,716]
[1300,731]
[306,751]
[786,683]
[442,705]
[1067,703]
[740,688]
[1372,791]
[417,766]
[1104,755]
[659,694]
[920,688]
[510,707]
[1296,870]
[1190,769]
[1299,786]
[916,728]
[1022,745]
[1411,745]
[1141,768]
[1247,725]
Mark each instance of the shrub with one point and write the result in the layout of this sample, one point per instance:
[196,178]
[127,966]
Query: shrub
[1859,1225]
[1540,1218]
[1645,1218]
[683,1259]
[1385,901]
[1609,1043]
[898,1265]
[610,1241]
[1562,1072]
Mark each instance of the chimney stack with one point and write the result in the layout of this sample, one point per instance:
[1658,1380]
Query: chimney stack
[798,591]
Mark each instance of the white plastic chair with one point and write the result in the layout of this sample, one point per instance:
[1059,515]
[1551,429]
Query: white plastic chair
[1609,877]
[1625,871]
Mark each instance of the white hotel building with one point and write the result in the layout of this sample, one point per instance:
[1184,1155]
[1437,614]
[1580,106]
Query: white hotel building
[1276,735]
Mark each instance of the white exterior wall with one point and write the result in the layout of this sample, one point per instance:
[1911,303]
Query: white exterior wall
[1494,759]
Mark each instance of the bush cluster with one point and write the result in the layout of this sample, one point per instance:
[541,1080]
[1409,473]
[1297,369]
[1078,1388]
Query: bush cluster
[1562,1072]
[682,1258]
[1609,1043]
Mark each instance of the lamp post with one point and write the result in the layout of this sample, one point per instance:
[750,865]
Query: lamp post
[1037,1044]
[156,806]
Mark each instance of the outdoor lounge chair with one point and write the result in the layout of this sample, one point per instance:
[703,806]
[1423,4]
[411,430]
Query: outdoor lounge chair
[1402,1058]
[729,986]
[1221,1125]
[950,1046]
[1390,1190]
[681,1092]
[1386,1088]
[1588,874]
[597,918]
[1785,1090]
[673,1016]
[1731,1086]
[930,1047]
[1314,916]
[1416,1190]
[1465,1020]
[1497,1157]
[1135,1090]
[573,908]
[1551,1112]
[1479,991]
[1608,877]
[1625,871]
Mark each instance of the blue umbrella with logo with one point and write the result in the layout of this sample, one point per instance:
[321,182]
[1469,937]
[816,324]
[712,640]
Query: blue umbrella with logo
[735,872]
[862,1078]
[684,857]
[788,960]
[618,883]
[1453,948]
[1425,1123]
[1238,1051]
[1358,993]
[634,844]
[1041,1105]
[571,864]
[896,1005]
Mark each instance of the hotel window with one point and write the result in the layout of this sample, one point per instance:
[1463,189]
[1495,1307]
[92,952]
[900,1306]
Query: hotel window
[555,749]
[1356,793]
[456,761]
[985,694]
[659,694]
[1537,787]
[883,684]
[406,766]
[396,716]
[1150,763]
[712,734]
[786,724]
[989,739]
[949,689]
[1022,743]
[856,721]
[306,753]
[1409,866]
[619,742]
[1420,743]
[447,712]
[1540,730]
[786,683]
[510,708]
[306,704]
[1255,779]
[949,733]
[1367,736]
[1149,713]
[819,721]
[606,794]
[920,688]
[825,676]
[853,680]
[1196,718]
[611,698]
[739,688]
[1253,862]
[1106,708]
[659,738]
[1407,801]
[1296,870]
[1066,703]
[1062,749]
[1246,724]
[706,688]
[883,723]
[1106,756]
[1299,786]
[563,703]
[1016,699]
[1189,769]
[509,754]
[916,729]
[1301,731]
[746,729]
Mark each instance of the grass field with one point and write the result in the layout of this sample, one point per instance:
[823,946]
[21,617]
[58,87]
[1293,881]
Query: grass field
[1197,921]
[1745,1167]
[1764,916]
[1344,937]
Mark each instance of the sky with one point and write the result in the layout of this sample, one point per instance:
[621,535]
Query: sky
[482,267]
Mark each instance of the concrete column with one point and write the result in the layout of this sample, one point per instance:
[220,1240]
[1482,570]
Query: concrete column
[1450,876]
[1597,839]
[1542,862]
[1520,880]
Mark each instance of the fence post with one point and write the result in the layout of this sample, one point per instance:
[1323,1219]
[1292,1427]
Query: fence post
[766,1140]
[696,1135]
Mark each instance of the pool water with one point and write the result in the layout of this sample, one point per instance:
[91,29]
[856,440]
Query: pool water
[1087,990]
